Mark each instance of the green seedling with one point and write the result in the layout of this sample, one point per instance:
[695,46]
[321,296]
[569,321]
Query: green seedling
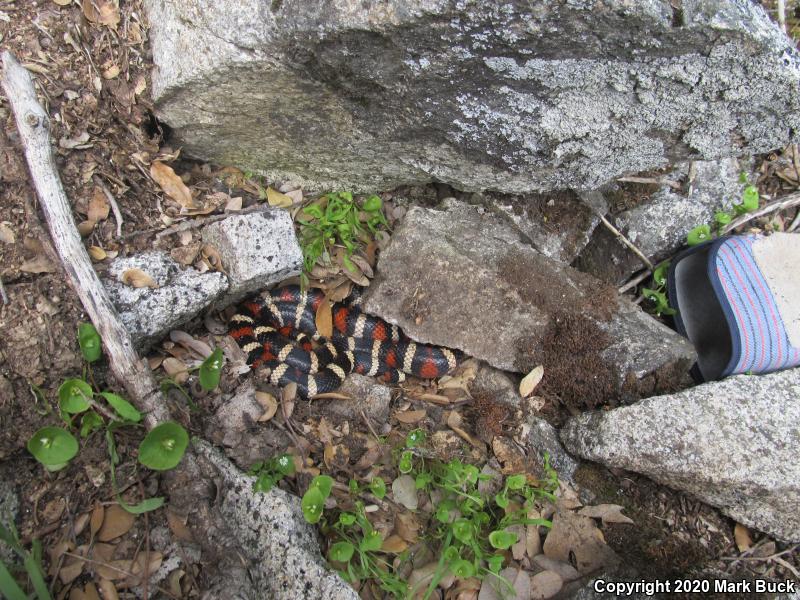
[211,369]
[161,449]
[164,446]
[269,473]
[338,220]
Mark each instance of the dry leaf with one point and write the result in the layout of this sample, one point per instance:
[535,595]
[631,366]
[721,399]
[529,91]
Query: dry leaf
[172,185]
[137,278]
[114,570]
[108,589]
[177,525]
[741,535]
[333,396]
[111,72]
[211,254]
[70,570]
[575,539]
[81,141]
[275,198]
[511,459]
[609,513]
[85,228]
[175,369]
[199,347]
[185,255]
[324,318]
[117,522]
[80,524]
[269,404]
[545,585]
[288,395]
[234,204]
[97,253]
[404,491]
[98,515]
[362,264]
[7,234]
[410,416]
[407,526]
[394,544]
[63,2]
[98,206]
[38,264]
[104,12]
[530,381]
[341,291]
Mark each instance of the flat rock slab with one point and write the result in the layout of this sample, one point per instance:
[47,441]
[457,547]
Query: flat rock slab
[257,250]
[458,278]
[557,224]
[658,226]
[150,313]
[733,444]
[512,97]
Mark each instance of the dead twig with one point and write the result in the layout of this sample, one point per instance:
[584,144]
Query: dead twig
[654,180]
[127,574]
[33,126]
[781,8]
[195,223]
[632,283]
[761,558]
[775,205]
[3,294]
[626,241]
[113,202]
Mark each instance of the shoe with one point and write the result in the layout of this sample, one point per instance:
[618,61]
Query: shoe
[738,301]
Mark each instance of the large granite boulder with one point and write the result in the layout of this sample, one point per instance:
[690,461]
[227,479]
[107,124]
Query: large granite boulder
[513,96]
[463,277]
[732,444]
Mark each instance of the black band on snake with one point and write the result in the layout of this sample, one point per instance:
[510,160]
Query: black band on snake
[278,331]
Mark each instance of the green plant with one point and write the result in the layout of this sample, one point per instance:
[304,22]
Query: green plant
[161,449]
[270,472]
[469,528]
[32,562]
[337,219]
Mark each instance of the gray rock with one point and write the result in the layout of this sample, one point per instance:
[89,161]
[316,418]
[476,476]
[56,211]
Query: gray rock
[370,397]
[498,384]
[150,313]
[231,418]
[658,226]
[270,532]
[513,97]
[543,438]
[565,570]
[466,280]
[257,250]
[558,224]
[732,444]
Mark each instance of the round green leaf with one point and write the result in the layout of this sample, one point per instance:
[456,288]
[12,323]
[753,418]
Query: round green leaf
[124,408]
[698,235]
[516,482]
[312,504]
[750,198]
[415,438]
[405,464]
[284,464]
[371,542]
[660,274]
[462,530]
[211,369]
[89,341]
[723,218]
[462,568]
[347,519]
[502,540]
[372,204]
[324,483]
[423,480]
[495,563]
[501,500]
[73,396]
[53,446]
[378,487]
[163,447]
[264,483]
[341,551]
[90,422]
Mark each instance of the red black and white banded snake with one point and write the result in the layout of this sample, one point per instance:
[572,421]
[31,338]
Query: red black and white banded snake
[278,331]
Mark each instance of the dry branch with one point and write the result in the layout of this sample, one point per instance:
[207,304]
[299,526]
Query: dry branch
[775,205]
[34,131]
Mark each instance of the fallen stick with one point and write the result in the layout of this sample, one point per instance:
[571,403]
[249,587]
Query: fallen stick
[34,132]
[775,205]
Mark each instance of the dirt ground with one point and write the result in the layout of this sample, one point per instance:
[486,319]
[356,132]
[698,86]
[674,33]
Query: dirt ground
[92,71]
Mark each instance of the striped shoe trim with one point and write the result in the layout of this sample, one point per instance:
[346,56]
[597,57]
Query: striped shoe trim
[763,345]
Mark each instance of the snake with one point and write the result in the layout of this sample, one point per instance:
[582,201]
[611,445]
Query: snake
[277,330]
